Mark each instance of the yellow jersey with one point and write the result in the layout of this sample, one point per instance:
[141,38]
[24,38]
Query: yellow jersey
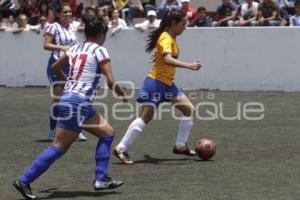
[120,3]
[160,70]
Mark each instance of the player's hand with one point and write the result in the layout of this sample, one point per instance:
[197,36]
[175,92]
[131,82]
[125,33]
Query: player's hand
[195,65]
[65,48]
[262,19]
[124,97]
[219,23]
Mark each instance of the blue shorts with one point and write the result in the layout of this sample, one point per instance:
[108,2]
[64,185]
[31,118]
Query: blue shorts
[52,77]
[74,110]
[156,92]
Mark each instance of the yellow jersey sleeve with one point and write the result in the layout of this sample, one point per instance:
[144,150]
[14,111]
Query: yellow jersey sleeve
[165,45]
[160,70]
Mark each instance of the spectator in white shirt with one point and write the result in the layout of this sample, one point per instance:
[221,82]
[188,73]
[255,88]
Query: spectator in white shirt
[249,12]
[23,25]
[150,24]
[116,23]
[10,24]
[43,24]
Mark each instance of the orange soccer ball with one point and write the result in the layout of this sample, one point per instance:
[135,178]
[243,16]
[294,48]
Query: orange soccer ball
[205,149]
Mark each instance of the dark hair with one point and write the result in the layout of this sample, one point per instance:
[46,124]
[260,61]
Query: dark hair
[297,3]
[169,16]
[201,9]
[94,26]
[59,8]
[90,8]
[44,3]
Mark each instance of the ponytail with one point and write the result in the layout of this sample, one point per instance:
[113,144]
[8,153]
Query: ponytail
[168,17]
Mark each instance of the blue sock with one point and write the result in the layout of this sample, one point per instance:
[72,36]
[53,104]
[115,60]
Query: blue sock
[53,116]
[41,164]
[102,156]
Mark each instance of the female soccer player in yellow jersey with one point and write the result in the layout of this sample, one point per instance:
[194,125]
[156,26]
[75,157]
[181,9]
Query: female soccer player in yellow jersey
[159,87]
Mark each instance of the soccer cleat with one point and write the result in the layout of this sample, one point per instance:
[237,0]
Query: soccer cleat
[24,189]
[122,156]
[51,135]
[81,137]
[184,150]
[107,183]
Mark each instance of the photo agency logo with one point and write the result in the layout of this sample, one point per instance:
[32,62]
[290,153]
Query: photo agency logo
[207,106]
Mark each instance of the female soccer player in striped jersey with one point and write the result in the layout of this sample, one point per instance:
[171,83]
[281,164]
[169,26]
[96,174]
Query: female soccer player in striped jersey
[88,60]
[159,87]
[59,37]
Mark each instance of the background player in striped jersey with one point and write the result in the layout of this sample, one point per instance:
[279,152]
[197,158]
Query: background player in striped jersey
[59,37]
[88,60]
[159,87]
[7,8]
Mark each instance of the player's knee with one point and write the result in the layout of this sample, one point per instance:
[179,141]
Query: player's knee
[61,146]
[189,111]
[109,131]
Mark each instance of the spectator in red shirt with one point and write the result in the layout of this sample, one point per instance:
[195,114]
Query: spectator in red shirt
[188,10]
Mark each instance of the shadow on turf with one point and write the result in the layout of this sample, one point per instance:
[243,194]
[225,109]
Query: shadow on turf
[199,160]
[43,141]
[53,193]
[50,141]
[151,160]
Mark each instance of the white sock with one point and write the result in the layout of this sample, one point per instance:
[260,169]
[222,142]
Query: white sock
[184,129]
[135,128]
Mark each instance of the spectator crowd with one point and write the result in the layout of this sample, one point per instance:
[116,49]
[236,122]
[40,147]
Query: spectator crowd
[35,15]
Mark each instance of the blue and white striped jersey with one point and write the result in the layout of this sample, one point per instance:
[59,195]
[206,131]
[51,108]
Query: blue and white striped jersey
[62,36]
[85,60]
[8,4]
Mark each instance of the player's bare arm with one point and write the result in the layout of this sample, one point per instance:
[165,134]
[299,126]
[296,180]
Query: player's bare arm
[177,63]
[48,45]
[107,71]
